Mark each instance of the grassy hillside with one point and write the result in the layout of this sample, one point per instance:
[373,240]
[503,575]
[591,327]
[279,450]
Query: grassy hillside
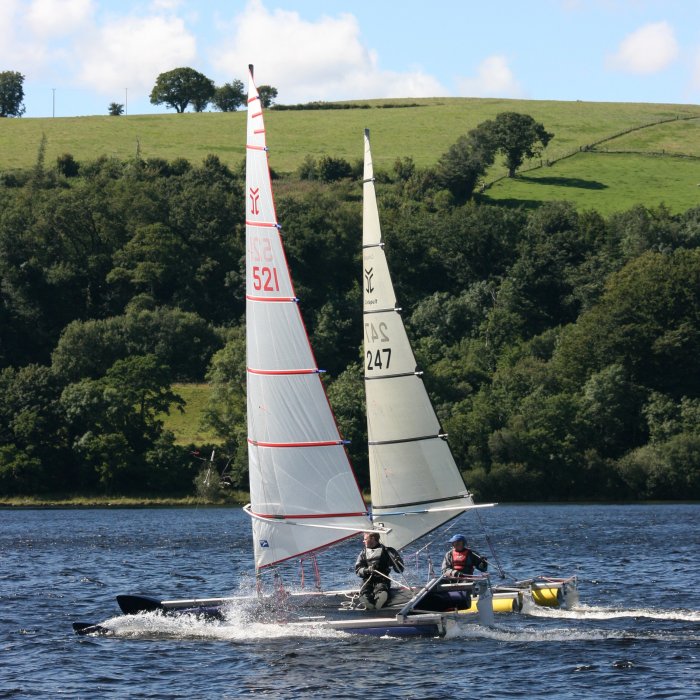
[607,182]
[187,425]
[422,129]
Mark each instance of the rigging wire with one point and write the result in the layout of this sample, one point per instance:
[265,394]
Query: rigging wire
[492,549]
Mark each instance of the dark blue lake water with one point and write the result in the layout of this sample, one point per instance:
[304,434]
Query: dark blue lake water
[636,632]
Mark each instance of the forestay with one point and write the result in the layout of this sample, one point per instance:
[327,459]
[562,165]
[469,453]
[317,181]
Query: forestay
[416,486]
[304,495]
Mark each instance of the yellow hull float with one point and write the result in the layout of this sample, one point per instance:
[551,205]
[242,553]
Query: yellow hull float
[544,591]
[552,592]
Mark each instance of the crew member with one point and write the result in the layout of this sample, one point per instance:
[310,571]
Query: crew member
[460,561]
[373,565]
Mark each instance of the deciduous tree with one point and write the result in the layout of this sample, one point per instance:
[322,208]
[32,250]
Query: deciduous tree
[517,136]
[460,168]
[11,94]
[230,96]
[267,95]
[181,87]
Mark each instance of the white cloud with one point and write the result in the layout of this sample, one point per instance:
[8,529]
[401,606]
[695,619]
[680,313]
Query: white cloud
[65,39]
[494,78]
[312,60]
[57,17]
[8,13]
[132,51]
[19,48]
[166,4]
[649,49]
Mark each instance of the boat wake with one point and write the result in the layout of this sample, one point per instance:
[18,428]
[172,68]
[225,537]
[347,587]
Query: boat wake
[237,625]
[501,633]
[528,633]
[518,628]
[591,612]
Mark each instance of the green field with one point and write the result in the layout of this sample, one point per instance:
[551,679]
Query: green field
[607,182]
[187,425]
[422,129]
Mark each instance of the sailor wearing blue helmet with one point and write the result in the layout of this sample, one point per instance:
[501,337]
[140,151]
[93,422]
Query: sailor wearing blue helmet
[460,561]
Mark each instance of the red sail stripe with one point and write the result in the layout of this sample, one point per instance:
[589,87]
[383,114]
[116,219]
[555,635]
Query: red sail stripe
[308,516]
[282,371]
[324,443]
[262,224]
[249,297]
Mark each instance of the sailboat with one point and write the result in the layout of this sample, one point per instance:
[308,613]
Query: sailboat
[304,495]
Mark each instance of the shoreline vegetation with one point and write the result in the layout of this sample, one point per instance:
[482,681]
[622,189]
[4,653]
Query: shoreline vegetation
[240,498]
[235,498]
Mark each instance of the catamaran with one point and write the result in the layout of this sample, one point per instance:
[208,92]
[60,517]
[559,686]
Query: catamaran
[304,497]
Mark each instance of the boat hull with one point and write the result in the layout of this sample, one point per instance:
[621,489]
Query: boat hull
[352,621]
[411,612]
[420,625]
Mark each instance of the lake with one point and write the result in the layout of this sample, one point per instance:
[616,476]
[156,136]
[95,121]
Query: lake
[635,633]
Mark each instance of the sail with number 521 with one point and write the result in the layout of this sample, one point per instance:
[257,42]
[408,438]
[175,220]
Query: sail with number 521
[304,495]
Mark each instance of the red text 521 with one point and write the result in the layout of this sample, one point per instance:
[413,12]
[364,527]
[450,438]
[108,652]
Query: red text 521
[265,279]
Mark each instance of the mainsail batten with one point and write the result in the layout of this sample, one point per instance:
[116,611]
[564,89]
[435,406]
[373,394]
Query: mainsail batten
[298,466]
[411,465]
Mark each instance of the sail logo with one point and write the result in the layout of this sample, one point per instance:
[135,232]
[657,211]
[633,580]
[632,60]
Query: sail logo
[254,199]
[264,543]
[369,274]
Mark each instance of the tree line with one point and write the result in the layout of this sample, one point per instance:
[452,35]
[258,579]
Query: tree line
[560,347]
[178,89]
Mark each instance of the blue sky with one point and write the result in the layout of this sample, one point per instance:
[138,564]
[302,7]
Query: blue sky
[77,56]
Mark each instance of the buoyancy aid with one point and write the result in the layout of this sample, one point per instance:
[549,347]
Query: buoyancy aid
[374,558]
[461,561]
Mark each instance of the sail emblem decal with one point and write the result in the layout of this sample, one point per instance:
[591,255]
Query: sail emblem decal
[369,274]
[254,199]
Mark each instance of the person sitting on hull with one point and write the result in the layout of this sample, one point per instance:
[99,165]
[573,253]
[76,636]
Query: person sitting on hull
[373,565]
[460,561]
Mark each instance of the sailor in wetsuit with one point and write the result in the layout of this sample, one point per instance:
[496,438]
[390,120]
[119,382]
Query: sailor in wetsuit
[461,561]
[373,565]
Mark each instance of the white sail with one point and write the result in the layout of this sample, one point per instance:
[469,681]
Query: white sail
[415,483]
[303,492]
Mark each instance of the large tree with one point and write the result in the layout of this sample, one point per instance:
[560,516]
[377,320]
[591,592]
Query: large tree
[230,96]
[464,163]
[267,94]
[180,87]
[517,136]
[11,94]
